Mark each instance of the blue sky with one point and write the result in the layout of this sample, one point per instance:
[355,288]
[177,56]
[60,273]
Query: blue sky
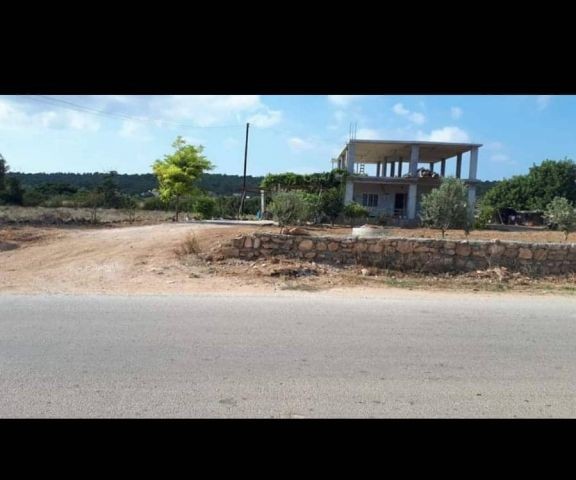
[299,133]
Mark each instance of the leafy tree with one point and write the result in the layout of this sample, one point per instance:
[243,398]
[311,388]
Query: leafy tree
[446,207]
[111,197]
[289,208]
[537,189]
[178,173]
[562,215]
[354,210]
[13,192]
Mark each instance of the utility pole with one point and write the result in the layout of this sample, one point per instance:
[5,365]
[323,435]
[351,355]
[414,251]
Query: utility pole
[241,210]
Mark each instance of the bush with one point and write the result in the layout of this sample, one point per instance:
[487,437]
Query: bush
[355,210]
[485,216]
[205,206]
[289,208]
[446,207]
[561,214]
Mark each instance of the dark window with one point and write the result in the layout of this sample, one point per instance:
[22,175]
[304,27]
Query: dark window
[370,199]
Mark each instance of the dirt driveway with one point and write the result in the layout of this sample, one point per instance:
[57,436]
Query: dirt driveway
[137,259]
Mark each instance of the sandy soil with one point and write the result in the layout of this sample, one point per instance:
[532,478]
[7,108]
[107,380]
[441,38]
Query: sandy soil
[145,260]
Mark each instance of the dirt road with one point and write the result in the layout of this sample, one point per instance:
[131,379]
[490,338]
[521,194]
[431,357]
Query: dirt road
[112,260]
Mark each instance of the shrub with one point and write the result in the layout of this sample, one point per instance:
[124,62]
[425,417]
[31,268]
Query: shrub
[289,208]
[355,210]
[205,207]
[561,214]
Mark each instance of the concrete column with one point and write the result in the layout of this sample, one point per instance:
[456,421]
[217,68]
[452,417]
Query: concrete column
[431,166]
[414,157]
[411,207]
[471,201]
[349,193]
[262,203]
[378,169]
[385,167]
[443,167]
[400,167]
[458,165]
[350,157]
[473,163]
[392,169]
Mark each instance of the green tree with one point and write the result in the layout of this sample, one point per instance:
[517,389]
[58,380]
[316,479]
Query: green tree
[562,215]
[111,197]
[13,192]
[289,208]
[534,191]
[446,207]
[178,173]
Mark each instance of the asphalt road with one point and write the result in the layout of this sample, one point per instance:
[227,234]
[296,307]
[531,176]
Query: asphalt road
[300,356]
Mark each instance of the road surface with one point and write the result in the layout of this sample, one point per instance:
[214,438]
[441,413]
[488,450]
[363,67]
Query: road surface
[297,355]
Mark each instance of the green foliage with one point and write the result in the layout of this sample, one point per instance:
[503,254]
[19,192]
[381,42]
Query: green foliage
[154,203]
[178,173]
[135,184]
[111,197]
[227,207]
[312,183]
[446,207]
[3,171]
[355,210]
[289,208]
[485,216]
[13,193]
[537,189]
[205,206]
[561,214]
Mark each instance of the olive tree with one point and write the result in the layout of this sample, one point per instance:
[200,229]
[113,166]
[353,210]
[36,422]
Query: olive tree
[562,215]
[446,207]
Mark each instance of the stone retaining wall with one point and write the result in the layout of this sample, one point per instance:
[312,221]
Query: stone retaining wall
[415,254]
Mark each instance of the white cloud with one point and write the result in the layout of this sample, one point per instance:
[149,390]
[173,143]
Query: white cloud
[343,100]
[298,144]
[543,101]
[15,116]
[456,112]
[446,134]
[266,118]
[399,109]
[368,134]
[135,129]
[415,117]
[214,110]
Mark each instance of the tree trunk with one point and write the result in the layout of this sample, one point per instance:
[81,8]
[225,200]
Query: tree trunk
[177,206]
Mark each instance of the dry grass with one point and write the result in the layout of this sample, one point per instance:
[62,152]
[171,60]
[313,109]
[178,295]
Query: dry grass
[16,215]
[187,247]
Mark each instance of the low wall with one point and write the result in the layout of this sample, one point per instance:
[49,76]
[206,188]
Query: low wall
[415,254]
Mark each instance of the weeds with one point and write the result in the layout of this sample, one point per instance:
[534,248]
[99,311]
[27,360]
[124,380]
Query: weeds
[189,246]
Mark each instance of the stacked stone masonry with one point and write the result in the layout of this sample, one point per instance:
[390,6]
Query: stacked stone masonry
[411,254]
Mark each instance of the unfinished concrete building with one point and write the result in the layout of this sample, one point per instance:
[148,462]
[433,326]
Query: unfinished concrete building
[390,177]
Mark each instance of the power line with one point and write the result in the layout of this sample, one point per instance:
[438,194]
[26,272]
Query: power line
[119,115]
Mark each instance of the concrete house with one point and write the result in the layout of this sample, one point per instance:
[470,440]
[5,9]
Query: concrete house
[389,177]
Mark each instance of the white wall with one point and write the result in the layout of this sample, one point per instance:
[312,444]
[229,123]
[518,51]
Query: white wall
[386,195]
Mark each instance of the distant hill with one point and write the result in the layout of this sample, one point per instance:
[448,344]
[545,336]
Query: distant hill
[133,184]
